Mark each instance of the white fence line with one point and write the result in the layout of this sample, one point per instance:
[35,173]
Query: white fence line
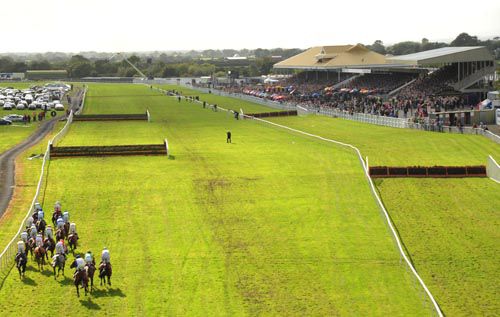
[364,165]
[149,115]
[7,255]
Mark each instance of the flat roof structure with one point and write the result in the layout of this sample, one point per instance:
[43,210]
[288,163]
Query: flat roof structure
[444,55]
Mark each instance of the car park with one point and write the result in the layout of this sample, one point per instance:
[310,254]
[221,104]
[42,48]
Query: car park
[14,117]
[8,106]
[4,121]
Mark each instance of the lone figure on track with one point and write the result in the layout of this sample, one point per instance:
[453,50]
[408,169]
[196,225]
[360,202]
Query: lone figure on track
[228,139]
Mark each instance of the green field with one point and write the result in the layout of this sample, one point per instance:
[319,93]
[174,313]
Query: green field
[225,102]
[276,223]
[449,226]
[266,225]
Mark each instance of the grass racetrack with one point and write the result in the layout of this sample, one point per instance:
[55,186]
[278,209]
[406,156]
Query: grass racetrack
[274,223]
[449,226]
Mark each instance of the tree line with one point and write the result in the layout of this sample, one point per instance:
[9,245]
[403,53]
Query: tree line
[199,63]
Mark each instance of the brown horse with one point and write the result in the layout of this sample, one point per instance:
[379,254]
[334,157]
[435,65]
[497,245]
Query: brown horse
[21,261]
[30,246]
[55,215]
[41,225]
[72,241]
[49,244]
[105,271]
[58,261]
[80,278]
[40,255]
[60,234]
[90,271]
[66,229]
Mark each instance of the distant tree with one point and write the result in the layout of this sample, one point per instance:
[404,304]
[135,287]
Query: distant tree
[378,46]
[403,48]
[427,45]
[40,65]
[464,39]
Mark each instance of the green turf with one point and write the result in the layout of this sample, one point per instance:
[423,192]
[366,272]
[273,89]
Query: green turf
[448,225]
[400,147]
[451,230]
[225,102]
[274,224]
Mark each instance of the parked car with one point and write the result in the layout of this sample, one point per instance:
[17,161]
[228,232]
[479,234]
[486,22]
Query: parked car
[5,121]
[14,117]
[20,106]
[59,107]
[7,106]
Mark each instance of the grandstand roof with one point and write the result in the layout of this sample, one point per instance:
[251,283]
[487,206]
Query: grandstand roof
[443,56]
[334,57]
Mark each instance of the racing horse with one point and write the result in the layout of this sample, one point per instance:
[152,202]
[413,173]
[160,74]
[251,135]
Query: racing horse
[105,271]
[60,235]
[80,278]
[40,226]
[40,255]
[21,261]
[49,244]
[59,262]
[72,241]
[30,246]
[90,272]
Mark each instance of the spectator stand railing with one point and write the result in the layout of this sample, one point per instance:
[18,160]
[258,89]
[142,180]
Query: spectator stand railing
[9,252]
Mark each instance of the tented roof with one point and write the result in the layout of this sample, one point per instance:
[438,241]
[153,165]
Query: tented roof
[334,57]
[443,55]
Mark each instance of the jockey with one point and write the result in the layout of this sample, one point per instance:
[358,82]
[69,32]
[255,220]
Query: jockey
[80,263]
[72,229]
[89,259]
[105,258]
[38,206]
[57,206]
[60,249]
[60,223]
[49,233]
[24,236]
[33,231]
[41,214]
[29,222]
[21,247]
[66,216]
[39,240]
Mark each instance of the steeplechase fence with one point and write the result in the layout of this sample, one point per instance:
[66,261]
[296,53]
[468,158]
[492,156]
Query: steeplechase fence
[427,171]
[273,114]
[113,117]
[110,150]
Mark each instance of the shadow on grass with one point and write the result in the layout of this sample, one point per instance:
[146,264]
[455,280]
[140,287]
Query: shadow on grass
[47,272]
[66,281]
[171,157]
[90,304]
[29,281]
[110,292]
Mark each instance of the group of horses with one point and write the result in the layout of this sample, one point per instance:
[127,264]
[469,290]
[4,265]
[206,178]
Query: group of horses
[82,277]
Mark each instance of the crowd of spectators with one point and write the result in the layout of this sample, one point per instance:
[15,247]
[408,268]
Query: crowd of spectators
[369,93]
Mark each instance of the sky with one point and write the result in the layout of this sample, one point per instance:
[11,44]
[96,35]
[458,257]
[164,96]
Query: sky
[156,25]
